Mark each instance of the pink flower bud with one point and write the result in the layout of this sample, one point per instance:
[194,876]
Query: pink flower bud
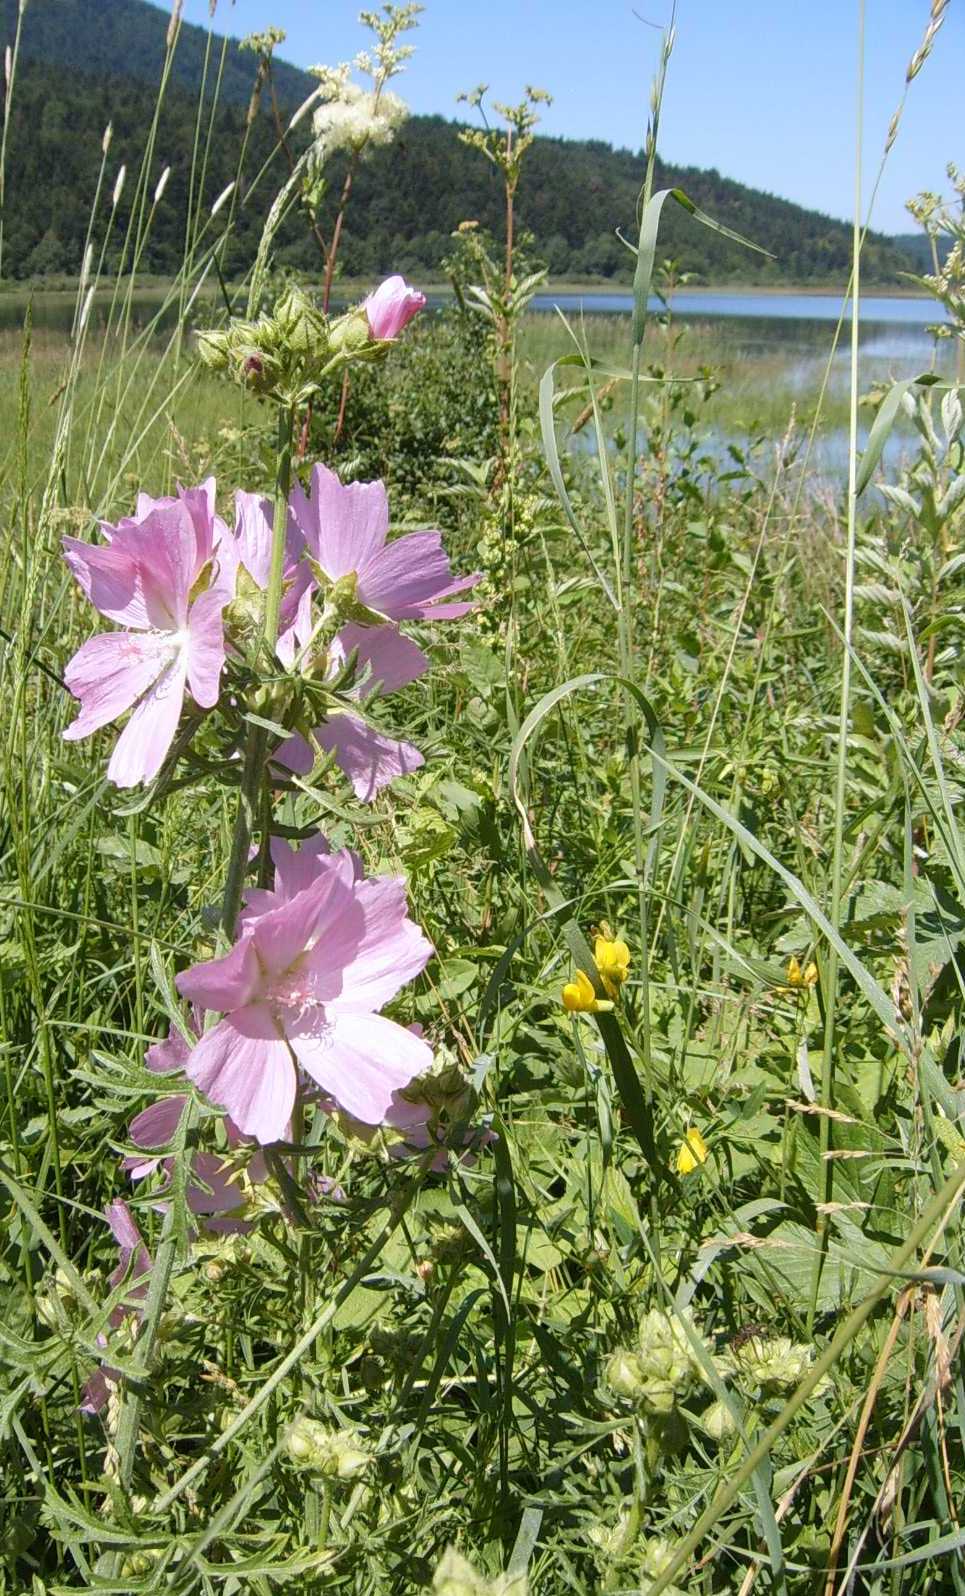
[391,307]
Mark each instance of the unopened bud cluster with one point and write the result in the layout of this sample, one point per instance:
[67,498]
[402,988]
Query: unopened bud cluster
[660,1371]
[456,1577]
[335,1454]
[288,352]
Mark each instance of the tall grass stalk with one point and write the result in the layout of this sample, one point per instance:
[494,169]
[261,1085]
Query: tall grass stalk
[830,982]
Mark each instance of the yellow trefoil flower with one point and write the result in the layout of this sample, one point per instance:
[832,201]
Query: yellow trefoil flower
[612,959]
[691,1152]
[580,998]
[798,978]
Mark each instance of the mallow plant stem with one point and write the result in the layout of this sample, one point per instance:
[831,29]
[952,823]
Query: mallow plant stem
[256,745]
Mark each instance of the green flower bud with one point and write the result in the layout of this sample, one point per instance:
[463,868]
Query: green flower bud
[624,1375]
[669,1367]
[774,1364]
[139,1563]
[336,1454]
[301,329]
[350,334]
[614,1541]
[456,1577]
[657,1556]
[214,349]
[717,1421]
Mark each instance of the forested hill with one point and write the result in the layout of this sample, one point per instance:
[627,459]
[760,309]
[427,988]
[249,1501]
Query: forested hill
[407,199]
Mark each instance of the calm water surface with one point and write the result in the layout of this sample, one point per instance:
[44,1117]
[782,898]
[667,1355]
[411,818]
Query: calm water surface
[795,328]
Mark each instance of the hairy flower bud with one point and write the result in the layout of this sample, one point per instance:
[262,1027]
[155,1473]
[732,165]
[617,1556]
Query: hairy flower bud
[337,1454]
[717,1421]
[669,1368]
[624,1375]
[455,1576]
[350,334]
[772,1364]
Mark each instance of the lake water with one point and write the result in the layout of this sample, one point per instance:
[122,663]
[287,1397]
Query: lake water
[801,326]
[798,329]
[894,341]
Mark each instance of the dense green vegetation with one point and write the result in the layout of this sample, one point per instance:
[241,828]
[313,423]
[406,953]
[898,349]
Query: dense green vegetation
[688,1316]
[407,200]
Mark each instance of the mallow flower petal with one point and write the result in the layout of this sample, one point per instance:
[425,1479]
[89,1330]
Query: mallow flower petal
[162,1058]
[392,949]
[109,673]
[245,1067]
[142,747]
[369,759]
[110,579]
[390,308]
[403,579]
[164,548]
[361,1059]
[390,660]
[132,1253]
[155,1125]
[324,918]
[224,1194]
[206,648]
[344,525]
[222,984]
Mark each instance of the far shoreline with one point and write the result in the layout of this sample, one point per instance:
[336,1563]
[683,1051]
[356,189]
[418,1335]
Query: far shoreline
[354,288]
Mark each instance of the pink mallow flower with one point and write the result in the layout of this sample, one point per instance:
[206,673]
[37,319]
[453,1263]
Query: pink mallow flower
[145,580]
[250,548]
[385,661]
[390,308]
[302,987]
[345,530]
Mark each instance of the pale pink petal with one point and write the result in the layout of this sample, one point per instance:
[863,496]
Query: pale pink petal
[324,913]
[253,521]
[390,660]
[391,307]
[294,755]
[392,949]
[164,548]
[142,747]
[403,579]
[96,1392]
[346,525]
[208,527]
[109,578]
[133,1255]
[222,984]
[360,1058]
[156,1125]
[109,673]
[297,869]
[162,1058]
[206,651]
[245,1067]
[369,760]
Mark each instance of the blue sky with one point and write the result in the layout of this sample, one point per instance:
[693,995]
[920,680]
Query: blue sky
[764,90]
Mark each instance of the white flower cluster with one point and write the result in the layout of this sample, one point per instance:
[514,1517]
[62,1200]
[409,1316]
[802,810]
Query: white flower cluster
[353,118]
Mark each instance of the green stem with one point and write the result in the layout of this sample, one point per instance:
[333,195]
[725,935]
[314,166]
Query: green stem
[253,774]
[283,477]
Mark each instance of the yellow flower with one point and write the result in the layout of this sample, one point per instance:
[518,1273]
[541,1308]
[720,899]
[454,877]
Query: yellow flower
[612,958]
[580,998]
[691,1152]
[798,978]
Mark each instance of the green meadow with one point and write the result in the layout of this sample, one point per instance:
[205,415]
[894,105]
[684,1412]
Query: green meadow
[669,1296]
